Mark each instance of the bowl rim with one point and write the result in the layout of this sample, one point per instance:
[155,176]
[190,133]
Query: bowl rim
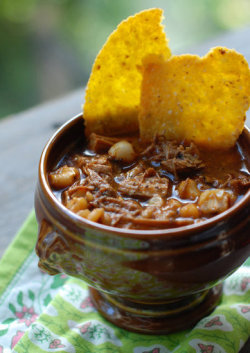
[83,223]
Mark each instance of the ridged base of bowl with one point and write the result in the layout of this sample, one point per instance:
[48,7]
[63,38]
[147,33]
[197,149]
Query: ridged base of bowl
[163,318]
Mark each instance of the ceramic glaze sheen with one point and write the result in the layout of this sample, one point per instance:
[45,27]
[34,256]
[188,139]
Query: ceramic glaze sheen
[151,282]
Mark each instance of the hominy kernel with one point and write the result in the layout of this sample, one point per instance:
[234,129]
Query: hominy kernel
[173,204]
[79,192]
[63,177]
[215,201]
[77,203]
[122,151]
[106,219]
[189,211]
[147,212]
[96,214]
[156,200]
[83,213]
[188,189]
[89,196]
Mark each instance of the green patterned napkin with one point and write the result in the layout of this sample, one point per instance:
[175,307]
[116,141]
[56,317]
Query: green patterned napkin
[42,313]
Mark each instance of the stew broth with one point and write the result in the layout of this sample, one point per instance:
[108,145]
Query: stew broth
[123,183]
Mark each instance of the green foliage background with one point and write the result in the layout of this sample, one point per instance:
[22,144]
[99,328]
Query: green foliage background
[48,46]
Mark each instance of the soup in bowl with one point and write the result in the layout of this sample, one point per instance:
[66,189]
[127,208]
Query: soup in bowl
[153,233]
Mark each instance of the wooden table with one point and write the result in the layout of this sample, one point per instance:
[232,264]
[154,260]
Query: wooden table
[23,136]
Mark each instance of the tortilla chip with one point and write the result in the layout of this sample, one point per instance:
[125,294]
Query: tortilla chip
[203,100]
[113,91]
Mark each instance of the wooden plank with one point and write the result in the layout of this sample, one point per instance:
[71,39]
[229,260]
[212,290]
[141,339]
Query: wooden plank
[22,138]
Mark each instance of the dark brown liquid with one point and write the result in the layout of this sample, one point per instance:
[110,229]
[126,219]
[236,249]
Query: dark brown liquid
[219,167]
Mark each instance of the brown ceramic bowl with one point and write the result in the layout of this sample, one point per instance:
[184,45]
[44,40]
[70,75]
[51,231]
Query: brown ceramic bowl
[145,281]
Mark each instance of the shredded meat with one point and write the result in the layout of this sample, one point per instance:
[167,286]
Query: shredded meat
[101,144]
[240,184]
[118,209]
[143,185]
[215,201]
[104,170]
[100,164]
[101,183]
[117,205]
[166,185]
[175,158]
[98,175]
[207,182]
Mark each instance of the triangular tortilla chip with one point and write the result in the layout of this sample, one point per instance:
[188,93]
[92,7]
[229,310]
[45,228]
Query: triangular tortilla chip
[113,90]
[203,100]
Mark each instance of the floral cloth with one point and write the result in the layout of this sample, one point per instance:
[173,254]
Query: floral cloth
[41,313]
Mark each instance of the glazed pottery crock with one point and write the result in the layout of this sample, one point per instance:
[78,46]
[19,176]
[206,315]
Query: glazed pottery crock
[151,282]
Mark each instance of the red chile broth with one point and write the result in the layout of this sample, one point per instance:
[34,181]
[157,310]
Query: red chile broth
[164,185]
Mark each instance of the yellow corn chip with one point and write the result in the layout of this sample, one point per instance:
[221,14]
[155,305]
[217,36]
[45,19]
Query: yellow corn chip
[113,91]
[203,100]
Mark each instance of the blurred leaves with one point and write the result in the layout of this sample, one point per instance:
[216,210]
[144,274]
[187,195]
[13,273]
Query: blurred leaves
[237,13]
[17,11]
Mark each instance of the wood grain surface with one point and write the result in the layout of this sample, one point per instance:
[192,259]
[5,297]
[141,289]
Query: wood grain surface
[23,136]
